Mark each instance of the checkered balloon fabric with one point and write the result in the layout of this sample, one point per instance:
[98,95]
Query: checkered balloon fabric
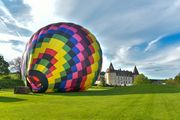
[61,57]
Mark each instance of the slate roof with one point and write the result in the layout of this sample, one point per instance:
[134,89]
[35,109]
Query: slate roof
[122,72]
[135,71]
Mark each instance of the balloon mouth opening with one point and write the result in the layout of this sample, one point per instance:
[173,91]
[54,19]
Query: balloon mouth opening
[37,81]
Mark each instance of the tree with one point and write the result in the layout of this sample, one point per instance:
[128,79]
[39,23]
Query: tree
[3,66]
[141,79]
[177,79]
[102,82]
[15,65]
[170,81]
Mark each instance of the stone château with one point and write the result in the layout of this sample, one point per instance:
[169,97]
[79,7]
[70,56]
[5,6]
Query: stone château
[120,77]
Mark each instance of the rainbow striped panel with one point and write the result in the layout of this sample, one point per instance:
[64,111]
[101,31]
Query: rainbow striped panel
[61,57]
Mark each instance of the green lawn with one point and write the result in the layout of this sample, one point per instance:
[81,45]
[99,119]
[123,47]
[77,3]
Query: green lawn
[121,103]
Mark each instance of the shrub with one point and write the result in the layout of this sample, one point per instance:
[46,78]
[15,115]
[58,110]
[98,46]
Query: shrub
[141,79]
[175,81]
[6,77]
[10,81]
[170,81]
[102,82]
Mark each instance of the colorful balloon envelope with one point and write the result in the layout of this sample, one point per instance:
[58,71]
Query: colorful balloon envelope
[61,57]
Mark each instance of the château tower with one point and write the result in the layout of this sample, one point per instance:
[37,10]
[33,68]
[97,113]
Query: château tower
[135,72]
[110,74]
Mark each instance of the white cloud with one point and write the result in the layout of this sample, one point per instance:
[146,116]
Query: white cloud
[8,16]
[105,64]
[174,7]
[151,43]
[43,12]
[8,52]
[7,37]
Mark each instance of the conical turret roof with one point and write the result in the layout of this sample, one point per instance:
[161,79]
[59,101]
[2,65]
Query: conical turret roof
[111,68]
[135,71]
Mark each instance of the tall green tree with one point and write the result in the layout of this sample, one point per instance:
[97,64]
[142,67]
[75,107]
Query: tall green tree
[177,79]
[3,66]
[141,79]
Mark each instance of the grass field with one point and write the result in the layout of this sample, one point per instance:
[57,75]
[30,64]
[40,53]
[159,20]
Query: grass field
[121,103]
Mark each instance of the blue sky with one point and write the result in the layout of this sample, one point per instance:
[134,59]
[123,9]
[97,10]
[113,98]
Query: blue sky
[145,33]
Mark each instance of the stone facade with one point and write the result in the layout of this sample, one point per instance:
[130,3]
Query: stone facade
[120,77]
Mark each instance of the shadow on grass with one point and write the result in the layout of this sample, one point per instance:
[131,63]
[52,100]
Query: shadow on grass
[10,99]
[155,89]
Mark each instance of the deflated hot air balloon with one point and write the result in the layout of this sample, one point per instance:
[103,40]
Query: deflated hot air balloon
[61,57]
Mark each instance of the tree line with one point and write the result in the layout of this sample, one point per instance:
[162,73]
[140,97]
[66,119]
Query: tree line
[174,81]
[141,79]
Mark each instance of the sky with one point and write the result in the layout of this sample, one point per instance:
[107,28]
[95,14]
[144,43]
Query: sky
[145,33]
